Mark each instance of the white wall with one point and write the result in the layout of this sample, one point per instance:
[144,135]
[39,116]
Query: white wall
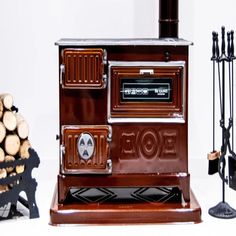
[29,59]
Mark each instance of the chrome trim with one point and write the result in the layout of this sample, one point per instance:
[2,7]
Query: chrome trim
[62,71]
[146,63]
[87,172]
[62,152]
[146,71]
[109,166]
[123,41]
[63,127]
[104,77]
[109,136]
[182,174]
[104,56]
[179,118]
[146,120]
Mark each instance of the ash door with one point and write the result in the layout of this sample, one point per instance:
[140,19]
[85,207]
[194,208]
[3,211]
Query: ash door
[86,149]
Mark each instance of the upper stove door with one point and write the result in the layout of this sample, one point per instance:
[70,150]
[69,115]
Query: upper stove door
[83,68]
[146,92]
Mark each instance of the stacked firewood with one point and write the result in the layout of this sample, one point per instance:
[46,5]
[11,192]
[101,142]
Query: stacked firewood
[14,143]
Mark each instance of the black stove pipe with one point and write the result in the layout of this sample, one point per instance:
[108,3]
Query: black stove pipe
[168,18]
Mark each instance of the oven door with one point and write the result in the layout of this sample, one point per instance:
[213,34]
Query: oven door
[85,149]
[146,92]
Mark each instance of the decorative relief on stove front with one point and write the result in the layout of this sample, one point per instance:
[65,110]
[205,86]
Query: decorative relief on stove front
[169,143]
[148,143]
[128,145]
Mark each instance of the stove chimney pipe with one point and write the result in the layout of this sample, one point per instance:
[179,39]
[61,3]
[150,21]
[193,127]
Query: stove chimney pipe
[168,18]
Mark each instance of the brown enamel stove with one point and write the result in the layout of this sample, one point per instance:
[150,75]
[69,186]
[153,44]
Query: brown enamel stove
[123,124]
[124,129]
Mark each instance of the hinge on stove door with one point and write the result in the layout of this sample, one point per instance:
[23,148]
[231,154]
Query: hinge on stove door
[109,139]
[109,135]
[104,78]
[109,166]
[104,61]
[104,57]
[62,71]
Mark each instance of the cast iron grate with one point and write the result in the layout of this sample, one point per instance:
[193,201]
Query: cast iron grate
[124,195]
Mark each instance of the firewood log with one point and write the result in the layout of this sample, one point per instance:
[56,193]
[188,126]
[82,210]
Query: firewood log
[23,129]
[24,149]
[2,155]
[22,126]
[20,169]
[9,120]
[3,173]
[7,100]
[12,144]
[2,131]
[7,159]
[1,109]
[3,188]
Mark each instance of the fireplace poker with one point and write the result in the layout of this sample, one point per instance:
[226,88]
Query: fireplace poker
[214,155]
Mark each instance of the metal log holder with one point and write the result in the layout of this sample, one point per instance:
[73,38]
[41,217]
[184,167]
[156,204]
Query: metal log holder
[223,209]
[18,183]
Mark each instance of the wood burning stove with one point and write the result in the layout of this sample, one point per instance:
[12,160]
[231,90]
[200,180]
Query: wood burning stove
[124,129]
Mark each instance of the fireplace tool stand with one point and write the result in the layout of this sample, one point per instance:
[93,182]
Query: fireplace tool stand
[217,160]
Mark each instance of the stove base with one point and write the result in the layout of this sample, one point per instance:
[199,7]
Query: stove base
[124,212]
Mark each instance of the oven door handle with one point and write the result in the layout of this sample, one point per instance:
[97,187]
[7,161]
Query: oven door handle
[146,72]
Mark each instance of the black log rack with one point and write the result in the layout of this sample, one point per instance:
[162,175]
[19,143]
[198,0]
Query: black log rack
[217,160]
[18,183]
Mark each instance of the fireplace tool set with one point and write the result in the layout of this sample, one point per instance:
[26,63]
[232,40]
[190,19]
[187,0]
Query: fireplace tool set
[217,160]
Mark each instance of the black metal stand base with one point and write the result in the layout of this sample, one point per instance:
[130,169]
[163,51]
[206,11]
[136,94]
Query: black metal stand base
[22,182]
[11,212]
[223,211]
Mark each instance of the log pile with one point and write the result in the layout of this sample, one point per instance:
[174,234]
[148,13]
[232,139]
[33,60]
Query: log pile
[14,143]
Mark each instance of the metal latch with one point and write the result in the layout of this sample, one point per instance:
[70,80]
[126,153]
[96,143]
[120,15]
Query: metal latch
[109,166]
[62,153]
[146,71]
